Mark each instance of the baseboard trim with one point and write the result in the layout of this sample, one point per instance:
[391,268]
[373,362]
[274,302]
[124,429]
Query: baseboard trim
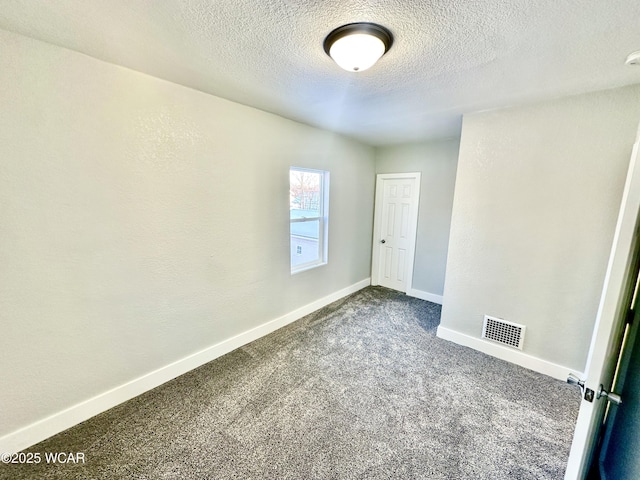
[513,356]
[47,427]
[429,297]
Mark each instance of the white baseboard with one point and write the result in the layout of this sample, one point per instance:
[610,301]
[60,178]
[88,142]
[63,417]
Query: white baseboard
[504,353]
[429,297]
[45,428]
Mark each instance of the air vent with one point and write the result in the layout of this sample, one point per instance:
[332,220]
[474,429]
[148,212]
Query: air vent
[503,332]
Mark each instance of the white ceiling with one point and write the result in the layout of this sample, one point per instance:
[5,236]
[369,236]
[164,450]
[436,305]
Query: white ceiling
[449,56]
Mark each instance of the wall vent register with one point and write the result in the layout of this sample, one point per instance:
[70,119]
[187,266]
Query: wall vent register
[503,332]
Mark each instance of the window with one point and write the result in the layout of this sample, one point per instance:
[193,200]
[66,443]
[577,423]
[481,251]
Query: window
[308,217]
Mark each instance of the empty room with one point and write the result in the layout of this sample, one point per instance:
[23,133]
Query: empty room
[330,240]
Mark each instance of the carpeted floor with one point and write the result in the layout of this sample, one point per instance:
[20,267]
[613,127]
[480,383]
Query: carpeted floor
[361,389]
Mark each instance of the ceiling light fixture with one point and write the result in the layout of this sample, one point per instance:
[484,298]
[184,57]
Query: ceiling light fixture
[633,58]
[358,46]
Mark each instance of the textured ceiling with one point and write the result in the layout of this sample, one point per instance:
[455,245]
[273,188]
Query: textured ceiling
[449,56]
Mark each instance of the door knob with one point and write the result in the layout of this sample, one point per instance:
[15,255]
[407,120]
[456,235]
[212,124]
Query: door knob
[612,397]
[383,241]
[574,380]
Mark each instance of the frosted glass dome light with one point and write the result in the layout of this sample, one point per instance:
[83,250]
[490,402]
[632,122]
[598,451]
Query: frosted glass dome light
[358,46]
[357,52]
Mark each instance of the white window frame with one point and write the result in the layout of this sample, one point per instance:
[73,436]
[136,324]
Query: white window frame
[323,218]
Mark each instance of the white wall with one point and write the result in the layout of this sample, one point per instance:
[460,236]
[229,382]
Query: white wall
[141,221]
[537,194]
[437,161]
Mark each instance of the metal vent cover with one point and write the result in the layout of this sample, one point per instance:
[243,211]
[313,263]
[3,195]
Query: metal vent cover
[506,333]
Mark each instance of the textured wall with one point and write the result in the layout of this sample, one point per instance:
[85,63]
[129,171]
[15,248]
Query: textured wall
[537,194]
[141,221]
[437,161]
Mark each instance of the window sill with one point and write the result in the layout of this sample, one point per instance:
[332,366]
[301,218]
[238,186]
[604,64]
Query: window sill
[307,267]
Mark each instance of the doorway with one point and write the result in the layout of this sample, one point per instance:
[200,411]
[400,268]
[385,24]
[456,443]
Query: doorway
[394,230]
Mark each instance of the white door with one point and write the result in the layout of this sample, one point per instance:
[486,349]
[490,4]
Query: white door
[394,230]
[610,322]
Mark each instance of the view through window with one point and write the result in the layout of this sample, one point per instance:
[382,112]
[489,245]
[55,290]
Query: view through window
[308,217]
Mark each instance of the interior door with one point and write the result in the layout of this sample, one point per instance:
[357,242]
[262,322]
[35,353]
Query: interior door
[609,328]
[395,224]
[618,458]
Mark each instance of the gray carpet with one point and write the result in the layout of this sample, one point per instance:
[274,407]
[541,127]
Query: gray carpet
[361,389]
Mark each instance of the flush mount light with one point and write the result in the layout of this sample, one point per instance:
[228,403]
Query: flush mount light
[633,58]
[358,46]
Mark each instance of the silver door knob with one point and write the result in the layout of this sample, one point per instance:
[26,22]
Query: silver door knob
[612,397]
[383,241]
[574,380]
